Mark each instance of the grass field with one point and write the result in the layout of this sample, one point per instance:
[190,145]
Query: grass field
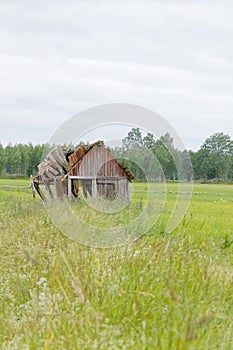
[164,291]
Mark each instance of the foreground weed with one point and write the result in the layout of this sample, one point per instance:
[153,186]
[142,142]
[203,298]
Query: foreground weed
[164,291]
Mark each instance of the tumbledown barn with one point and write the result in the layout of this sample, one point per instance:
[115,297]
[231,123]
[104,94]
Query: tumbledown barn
[90,167]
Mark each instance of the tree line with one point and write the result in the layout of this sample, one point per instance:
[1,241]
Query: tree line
[145,156]
[212,162]
[20,159]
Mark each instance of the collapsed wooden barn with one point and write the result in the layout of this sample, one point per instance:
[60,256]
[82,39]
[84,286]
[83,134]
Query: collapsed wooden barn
[91,167]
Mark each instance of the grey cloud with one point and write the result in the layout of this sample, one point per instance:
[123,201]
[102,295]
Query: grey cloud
[171,56]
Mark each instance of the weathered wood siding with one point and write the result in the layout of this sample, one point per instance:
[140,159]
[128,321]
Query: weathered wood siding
[98,162]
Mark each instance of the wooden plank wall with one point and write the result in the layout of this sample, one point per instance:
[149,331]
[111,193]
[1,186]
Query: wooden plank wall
[98,162]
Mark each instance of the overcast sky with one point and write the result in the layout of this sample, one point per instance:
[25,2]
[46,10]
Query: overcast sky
[60,57]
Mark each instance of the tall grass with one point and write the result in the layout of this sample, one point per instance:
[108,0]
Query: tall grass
[170,291]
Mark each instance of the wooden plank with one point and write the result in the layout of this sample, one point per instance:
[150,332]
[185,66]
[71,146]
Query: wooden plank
[48,189]
[70,171]
[58,187]
[41,194]
[113,178]
[73,159]
[65,187]
[42,167]
[69,187]
[55,164]
[32,186]
[51,171]
[94,188]
[59,156]
[81,151]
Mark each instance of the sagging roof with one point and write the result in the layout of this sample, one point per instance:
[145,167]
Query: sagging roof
[60,161]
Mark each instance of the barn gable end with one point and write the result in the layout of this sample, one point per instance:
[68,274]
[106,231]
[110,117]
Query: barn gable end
[98,162]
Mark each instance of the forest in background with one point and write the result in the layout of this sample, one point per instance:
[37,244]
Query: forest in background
[212,162]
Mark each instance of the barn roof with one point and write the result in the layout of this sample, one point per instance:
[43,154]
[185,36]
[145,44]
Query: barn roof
[78,154]
[60,161]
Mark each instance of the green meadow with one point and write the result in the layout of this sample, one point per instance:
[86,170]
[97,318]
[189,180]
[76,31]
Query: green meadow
[163,291]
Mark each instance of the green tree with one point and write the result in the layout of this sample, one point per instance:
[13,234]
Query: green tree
[216,154]
[34,158]
[9,159]
[149,141]
[166,154]
[133,139]
[167,141]
[186,168]
[2,160]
